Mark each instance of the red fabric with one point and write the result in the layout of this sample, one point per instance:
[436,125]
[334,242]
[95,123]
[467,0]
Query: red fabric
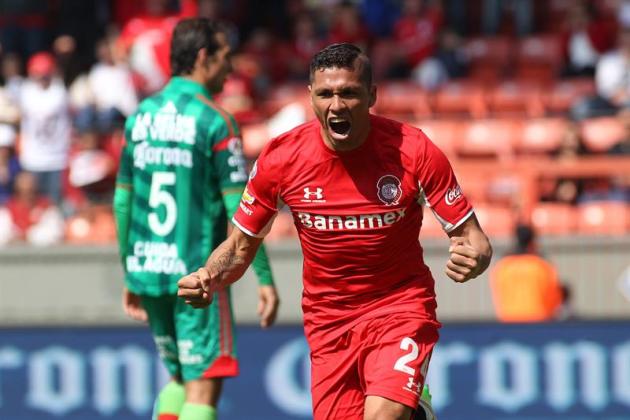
[167,417]
[418,37]
[601,35]
[25,216]
[358,219]
[222,367]
[156,31]
[387,357]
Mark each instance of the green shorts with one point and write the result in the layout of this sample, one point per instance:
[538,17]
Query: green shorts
[194,343]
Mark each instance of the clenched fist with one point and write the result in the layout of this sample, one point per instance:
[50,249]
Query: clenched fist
[196,288]
[463,263]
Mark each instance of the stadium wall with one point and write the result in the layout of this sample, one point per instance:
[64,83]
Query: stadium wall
[73,285]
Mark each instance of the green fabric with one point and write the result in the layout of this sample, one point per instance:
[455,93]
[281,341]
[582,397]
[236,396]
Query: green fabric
[261,265]
[190,340]
[192,411]
[171,398]
[122,214]
[181,153]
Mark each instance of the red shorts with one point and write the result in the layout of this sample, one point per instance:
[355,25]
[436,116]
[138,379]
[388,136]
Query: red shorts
[386,357]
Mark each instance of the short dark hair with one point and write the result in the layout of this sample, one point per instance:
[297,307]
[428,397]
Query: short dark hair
[342,55]
[190,36]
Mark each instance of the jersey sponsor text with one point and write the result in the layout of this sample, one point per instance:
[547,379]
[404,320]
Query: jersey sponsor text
[155,257]
[351,222]
[165,126]
[144,155]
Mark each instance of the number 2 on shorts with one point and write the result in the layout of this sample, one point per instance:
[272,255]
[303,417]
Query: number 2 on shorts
[401,364]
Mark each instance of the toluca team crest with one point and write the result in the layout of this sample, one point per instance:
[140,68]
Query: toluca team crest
[389,190]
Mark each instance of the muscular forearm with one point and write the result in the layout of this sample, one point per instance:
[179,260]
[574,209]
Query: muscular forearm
[479,241]
[229,261]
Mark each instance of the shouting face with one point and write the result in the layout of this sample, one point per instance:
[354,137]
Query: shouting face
[341,100]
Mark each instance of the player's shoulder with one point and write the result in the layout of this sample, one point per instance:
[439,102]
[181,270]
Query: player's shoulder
[403,134]
[290,145]
[214,118]
[294,140]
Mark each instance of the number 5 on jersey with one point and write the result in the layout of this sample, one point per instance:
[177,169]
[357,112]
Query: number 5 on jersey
[161,197]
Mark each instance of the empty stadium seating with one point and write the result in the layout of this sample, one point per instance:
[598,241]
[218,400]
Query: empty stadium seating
[603,218]
[599,134]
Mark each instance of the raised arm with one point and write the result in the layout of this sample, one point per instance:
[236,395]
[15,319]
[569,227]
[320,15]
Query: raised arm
[470,251]
[226,264]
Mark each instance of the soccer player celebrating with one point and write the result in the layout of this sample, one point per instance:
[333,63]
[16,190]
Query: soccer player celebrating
[356,184]
[181,174]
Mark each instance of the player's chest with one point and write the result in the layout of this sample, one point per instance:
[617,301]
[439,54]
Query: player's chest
[335,186]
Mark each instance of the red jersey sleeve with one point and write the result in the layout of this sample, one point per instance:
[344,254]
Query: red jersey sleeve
[259,203]
[439,186]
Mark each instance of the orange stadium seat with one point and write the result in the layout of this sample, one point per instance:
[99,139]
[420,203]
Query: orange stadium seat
[462,97]
[474,186]
[402,98]
[489,57]
[538,58]
[441,132]
[564,93]
[495,220]
[487,138]
[97,227]
[541,135]
[603,218]
[283,95]
[554,219]
[600,134]
[516,96]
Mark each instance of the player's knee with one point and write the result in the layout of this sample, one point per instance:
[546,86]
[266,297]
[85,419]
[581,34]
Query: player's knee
[203,391]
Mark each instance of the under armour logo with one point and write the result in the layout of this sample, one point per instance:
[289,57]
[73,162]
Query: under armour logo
[317,194]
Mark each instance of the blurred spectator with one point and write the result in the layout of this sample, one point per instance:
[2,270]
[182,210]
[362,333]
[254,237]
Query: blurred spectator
[347,26]
[69,64]
[146,40]
[304,44]
[567,190]
[380,16]
[414,39]
[29,216]
[25,25]
[525,286]
[12,77]
[611,81]
[92,170]
[584,39]
[270,56]
[111,91]
[520,12]
[44,125]
[213,10]
[9,166]
[449,62]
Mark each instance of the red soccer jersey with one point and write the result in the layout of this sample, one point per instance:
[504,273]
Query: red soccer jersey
[358,216]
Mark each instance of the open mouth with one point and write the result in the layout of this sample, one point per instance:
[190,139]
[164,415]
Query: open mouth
[339,126]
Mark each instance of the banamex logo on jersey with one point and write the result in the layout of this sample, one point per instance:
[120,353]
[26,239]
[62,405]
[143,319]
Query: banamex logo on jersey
[452,195]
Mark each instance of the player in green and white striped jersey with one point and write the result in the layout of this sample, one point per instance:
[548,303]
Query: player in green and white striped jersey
[181,176]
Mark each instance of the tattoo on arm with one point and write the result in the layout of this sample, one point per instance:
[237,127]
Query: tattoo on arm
[227,265]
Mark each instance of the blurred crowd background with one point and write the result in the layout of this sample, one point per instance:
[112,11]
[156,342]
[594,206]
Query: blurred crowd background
[530,99]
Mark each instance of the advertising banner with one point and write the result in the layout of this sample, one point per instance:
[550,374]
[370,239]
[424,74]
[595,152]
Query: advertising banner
[574,370]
